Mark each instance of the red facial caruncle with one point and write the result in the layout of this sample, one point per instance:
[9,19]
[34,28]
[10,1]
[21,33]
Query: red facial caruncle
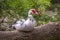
[34,11]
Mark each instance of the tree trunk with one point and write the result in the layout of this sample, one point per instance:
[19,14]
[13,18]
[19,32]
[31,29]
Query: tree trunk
[50,31]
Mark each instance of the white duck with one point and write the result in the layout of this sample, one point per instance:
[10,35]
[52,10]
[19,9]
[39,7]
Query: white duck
[29,24]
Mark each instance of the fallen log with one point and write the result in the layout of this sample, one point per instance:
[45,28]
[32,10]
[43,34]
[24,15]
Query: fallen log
[50,31]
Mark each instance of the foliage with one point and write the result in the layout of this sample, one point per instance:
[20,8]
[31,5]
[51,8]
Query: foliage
[55,1]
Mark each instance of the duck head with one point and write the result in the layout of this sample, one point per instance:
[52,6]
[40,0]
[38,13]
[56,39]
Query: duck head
[32,11]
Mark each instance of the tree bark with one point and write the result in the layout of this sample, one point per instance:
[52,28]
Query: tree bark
[50,31]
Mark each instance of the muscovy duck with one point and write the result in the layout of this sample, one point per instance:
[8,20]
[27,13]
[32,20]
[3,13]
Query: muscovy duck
[27,25]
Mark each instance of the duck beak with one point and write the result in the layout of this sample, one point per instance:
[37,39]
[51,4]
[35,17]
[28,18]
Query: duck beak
[36,13]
